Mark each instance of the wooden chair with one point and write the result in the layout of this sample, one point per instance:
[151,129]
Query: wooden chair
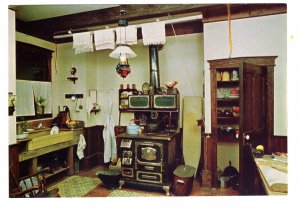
[33,185]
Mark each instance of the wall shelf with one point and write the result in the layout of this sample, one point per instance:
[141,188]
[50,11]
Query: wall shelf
[72,79]
[95,111]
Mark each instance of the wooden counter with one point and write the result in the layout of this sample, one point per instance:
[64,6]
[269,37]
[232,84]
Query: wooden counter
[32,155]
[269,162]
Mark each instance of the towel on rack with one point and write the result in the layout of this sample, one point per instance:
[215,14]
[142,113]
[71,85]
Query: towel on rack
[121,35]
[82,42]
[154,33]
[131,35]
[126,35]
[81,146]
[89,105]
[104,39]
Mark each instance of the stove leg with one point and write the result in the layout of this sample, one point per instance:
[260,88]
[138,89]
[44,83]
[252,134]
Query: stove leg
[167,189]
[121,183]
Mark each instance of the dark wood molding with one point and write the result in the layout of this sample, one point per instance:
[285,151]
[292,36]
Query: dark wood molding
[239,11]
[45,29]
[279,144]
[269,63]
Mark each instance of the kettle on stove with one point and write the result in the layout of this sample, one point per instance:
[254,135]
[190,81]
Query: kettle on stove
[133,128]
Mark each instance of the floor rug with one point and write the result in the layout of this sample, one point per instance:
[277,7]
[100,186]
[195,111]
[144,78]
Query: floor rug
[76,186]
[123,193]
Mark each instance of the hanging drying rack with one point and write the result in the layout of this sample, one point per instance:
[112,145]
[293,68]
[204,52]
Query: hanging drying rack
[173,21]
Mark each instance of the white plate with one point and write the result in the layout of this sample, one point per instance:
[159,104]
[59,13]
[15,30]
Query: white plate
[232,96]
[54,130]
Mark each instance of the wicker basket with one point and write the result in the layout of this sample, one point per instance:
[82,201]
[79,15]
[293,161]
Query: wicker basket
[48,140]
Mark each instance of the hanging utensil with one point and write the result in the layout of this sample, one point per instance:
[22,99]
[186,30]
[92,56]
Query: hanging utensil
[77,107]
[80,105]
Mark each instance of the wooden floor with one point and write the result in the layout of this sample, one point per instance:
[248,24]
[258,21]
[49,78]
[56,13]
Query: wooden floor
[101,191]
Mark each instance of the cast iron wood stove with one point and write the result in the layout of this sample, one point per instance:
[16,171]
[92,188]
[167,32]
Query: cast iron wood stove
[149,158]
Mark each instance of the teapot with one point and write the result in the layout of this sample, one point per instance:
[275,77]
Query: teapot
[133,128]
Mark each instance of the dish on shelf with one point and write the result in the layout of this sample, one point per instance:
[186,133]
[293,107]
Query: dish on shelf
[221,95]
[233,96]
[234,92]
[22,136]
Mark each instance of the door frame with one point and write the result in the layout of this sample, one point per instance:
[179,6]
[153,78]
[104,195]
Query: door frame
[266,61]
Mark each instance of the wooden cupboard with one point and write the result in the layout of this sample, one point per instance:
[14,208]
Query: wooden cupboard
[242,98]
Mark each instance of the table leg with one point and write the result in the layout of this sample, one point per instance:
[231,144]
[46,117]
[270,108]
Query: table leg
[70,158]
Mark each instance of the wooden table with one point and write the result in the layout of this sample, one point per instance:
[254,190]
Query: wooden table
[267,161]
[33,155]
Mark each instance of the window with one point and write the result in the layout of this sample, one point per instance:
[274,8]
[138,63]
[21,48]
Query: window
[33,85]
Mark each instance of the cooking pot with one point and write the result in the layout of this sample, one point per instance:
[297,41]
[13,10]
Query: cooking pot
[230,171]
[155,126]
[152,127]
[230,177]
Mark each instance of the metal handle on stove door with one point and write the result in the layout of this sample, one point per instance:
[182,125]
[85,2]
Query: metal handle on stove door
[149,177]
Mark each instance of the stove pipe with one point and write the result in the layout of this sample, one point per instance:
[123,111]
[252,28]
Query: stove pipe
[154,67]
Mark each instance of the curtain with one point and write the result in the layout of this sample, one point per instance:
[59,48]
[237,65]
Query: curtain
[25,99]
[26,91]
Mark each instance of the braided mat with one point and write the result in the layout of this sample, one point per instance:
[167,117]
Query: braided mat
[76,186]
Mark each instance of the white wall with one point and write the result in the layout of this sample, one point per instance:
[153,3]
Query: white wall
[97,70]
[12,72]
[86,65]
[260,36]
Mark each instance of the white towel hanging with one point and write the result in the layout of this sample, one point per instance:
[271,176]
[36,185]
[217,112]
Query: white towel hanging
[126,35]
[82,42]
[154,33]
[104,39]
[131,35]
[81,147]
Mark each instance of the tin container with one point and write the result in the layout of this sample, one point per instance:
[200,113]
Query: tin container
[183,180]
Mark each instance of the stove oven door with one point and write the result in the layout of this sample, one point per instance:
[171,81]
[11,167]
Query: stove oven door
[149,153]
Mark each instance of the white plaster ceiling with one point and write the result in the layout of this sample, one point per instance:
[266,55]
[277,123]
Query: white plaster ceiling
[29,13]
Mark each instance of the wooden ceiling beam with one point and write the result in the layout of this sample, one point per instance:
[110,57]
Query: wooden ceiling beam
[46,28]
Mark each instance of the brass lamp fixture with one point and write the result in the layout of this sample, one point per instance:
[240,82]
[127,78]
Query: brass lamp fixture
[123,51]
